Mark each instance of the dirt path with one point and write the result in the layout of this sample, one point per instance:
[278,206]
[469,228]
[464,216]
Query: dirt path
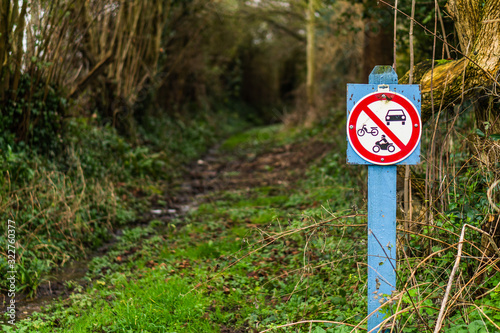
[213,172]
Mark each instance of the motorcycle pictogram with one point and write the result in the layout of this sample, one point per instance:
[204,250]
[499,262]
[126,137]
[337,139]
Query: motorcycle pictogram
[383,144]
[363,130]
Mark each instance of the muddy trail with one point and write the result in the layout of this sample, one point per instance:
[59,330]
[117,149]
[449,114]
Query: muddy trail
[217,170]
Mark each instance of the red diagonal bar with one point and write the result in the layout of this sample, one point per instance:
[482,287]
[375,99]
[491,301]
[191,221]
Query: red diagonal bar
[384,128]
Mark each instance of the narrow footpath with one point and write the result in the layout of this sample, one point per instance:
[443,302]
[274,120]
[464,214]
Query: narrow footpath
[261,232]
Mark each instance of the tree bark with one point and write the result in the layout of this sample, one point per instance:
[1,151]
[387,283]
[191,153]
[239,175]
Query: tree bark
[475,74]
[311,63]
[378,39]
[4,46]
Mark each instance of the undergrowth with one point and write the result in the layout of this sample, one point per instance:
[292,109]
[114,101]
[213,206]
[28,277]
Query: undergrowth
[65,204]
[282,256]
[249,258]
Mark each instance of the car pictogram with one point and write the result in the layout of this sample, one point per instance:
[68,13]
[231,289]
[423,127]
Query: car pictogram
[395,115]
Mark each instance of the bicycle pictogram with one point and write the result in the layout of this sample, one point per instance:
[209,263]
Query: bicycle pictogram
[364,129]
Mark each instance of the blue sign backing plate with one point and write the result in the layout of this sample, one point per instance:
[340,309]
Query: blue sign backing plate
[356,92]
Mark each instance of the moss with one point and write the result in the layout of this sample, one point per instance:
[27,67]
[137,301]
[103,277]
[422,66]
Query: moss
[383,69]
[418,72]
[442,62]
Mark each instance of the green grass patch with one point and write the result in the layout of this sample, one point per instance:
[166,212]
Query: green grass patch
[252,139]
[64,204]
[148,302]
[253,259]
[238,277]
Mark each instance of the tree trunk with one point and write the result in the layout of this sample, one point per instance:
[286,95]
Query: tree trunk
[4,46]
[378,39]
[478,27]
[311,62]
[473,77]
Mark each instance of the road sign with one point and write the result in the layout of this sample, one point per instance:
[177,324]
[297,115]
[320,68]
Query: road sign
[384,127]
[382,107]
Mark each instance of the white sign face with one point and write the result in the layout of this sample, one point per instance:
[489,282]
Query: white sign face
[384,128]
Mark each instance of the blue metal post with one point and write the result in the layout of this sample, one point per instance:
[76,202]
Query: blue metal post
[381,222]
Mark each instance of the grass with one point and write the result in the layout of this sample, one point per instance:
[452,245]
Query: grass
[65,205]
[281,257]
[149,303]
[218,267]
[252,139]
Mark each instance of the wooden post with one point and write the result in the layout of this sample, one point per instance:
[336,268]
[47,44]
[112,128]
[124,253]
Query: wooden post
[381,222]
[383,108]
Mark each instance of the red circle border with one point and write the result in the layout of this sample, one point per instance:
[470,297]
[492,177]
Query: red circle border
[403,153]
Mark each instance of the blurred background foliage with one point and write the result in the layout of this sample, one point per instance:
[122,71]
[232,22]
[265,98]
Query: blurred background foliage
[117,62]
[102,101]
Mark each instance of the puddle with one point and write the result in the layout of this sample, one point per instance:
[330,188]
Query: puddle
[54,288]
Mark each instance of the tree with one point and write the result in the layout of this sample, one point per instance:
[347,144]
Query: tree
[311,11]
[475,75]
[377,41]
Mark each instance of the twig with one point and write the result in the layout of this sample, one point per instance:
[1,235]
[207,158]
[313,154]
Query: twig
[430,174]
[492,242]
[489,291]
[451,182]
[490,190]
[441,39]
[398,278]
[310,321]
[484,314]
[407,179]
[440,319]
[96,71]
[312,268]
[444,33]
[268,241]
[395,34]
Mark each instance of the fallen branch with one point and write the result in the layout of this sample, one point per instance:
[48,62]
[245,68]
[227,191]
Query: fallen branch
[490,199]
[440,319]
[310,322]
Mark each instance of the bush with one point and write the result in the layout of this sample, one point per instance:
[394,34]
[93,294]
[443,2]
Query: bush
[33,117]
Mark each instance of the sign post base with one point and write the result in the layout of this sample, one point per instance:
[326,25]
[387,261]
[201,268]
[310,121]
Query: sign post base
[381,240]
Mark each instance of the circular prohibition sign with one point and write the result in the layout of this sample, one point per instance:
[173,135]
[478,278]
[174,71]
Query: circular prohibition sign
[384,128]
